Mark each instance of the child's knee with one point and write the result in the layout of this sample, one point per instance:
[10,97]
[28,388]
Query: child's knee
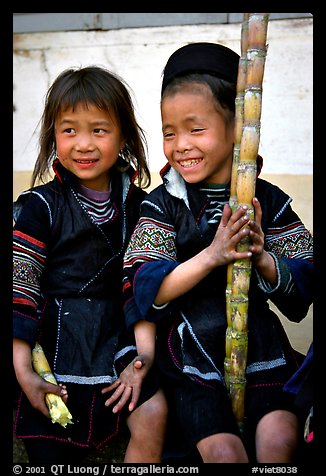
[150,417]
[277,437]
[156,407]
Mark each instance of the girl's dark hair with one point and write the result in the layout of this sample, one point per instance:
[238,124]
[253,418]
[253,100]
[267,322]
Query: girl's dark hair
[107,91]
[224,92]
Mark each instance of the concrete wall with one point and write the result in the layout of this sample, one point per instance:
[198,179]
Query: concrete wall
[138,55]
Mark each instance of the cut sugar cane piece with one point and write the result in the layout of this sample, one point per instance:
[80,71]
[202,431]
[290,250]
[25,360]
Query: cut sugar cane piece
[58,410]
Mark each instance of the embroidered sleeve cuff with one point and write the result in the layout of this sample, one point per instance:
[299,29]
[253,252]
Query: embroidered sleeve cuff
[284,282]
[162,306]
[147,282]
[25,327]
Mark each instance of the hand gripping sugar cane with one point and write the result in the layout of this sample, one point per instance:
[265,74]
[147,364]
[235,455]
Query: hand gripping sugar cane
[242,190]
[58,410]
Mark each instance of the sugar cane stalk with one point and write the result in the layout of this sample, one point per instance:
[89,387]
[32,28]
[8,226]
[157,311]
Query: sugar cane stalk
[239,276]
[233,201]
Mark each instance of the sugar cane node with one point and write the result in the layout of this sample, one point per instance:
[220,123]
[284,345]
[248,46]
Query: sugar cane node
[59,412]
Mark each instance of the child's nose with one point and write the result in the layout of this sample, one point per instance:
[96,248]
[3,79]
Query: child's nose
[84,142]
[183,144]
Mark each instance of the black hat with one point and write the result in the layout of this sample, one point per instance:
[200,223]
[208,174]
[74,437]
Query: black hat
[203,57]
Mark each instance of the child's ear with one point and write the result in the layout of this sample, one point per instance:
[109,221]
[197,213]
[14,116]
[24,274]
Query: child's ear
[122,145]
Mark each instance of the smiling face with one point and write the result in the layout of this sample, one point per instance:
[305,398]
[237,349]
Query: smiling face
[88,141]
[197,138]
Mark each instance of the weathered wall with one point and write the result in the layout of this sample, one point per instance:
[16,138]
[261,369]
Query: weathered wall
[139,55]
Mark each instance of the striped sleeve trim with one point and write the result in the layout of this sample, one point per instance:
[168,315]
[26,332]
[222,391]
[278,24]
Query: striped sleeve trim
[28,264]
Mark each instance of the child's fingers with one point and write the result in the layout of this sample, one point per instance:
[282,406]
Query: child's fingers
[258,210]
[225,215]
[134,398]
[123,400]
[138,362]
[113,385]
[119,391]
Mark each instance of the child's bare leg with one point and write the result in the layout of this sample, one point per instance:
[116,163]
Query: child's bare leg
[147,425]
[222,448]
[277,437]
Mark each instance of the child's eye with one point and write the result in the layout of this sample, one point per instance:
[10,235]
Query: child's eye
[197,129]
[99,131]
[168,134]
[69,130]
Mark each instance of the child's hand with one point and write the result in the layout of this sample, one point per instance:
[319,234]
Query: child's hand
[257,236]
[128,385]
[36,388]
[229,233]
[261,259]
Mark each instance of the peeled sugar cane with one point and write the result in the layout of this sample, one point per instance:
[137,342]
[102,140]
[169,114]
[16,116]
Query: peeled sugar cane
[58,410]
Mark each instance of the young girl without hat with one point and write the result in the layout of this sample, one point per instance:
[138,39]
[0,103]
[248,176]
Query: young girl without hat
[70,235]
[175,271]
